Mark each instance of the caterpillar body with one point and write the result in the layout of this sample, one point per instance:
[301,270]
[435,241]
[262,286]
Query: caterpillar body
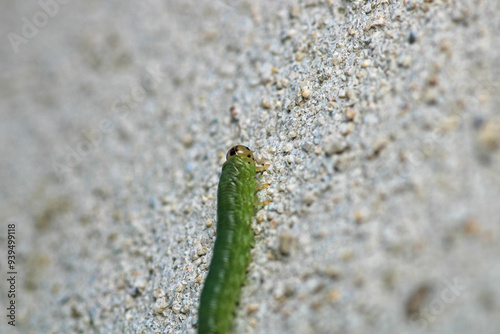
[234,239]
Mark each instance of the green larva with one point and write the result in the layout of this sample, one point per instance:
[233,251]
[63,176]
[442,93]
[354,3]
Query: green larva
[231,256]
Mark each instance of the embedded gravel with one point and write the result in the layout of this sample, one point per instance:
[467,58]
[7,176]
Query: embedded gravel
[380,121]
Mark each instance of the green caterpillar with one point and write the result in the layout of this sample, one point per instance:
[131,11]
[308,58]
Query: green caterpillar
[231,256]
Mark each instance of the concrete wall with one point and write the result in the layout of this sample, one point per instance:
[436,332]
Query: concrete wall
[380,120]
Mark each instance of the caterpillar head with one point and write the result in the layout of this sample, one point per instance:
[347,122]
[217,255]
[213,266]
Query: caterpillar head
[240,150]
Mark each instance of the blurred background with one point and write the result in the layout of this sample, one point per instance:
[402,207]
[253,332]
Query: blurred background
[380,121]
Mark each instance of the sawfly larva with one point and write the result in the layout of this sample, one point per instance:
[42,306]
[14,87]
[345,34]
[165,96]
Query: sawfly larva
[234,239]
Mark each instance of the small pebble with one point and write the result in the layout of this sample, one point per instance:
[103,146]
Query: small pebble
[416,301]
[160,305]
[446,45]
[404,61]
[140,283]
[235,113]
[252,308]
[350,94]
[379,144]
[334,144]
[201,251]
[342,93]
[306,93]
[360,215]
[336,59]
[187,140]
[347,255]
[307,147]
[333,295]
[180,287]
[286,241]
[288,148]
[299,56]
[489,135]
[261,216]
[266,103]
[280,208]
[309,198]
[346,128]
[176,308]
[333,272]
[349,114]
[129,302]
[412,37]
[472,227]
[366,63]
[430,95]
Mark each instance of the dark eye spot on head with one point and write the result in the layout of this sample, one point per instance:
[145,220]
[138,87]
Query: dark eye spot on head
[232,151]
[247,148]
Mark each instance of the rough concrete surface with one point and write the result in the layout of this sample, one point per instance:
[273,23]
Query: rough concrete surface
[380,120]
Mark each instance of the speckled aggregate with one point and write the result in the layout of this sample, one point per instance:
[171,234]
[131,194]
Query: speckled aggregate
[379,119]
